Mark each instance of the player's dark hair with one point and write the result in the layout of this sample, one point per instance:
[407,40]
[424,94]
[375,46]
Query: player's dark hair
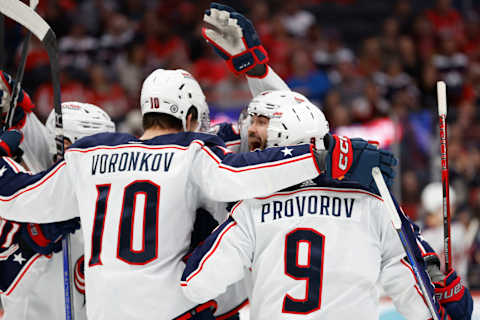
[166,121]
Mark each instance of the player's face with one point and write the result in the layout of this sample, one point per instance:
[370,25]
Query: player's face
[257,132]
[66,143]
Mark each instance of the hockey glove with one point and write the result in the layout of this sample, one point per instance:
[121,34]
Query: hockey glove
[449,290]
[9,142]
[45,238]
[233,38]
[353,160]
[24,103]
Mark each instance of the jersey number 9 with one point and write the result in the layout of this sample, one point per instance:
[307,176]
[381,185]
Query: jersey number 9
[311,272]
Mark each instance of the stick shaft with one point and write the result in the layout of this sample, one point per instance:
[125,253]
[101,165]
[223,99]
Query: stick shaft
[396,222]
[447,243]
[442,115]
[17,82]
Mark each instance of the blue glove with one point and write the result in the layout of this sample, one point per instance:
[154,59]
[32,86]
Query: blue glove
[452,295]
[233,38]
[353,160]
[45,238]
[9,142]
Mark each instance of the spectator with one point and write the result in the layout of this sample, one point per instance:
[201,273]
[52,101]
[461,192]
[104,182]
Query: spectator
[77,49]
[108,94]
[297,21]
[433,227]
[446,21]
[72,90]
[371,105]
[131,68]
[119,33]
[312,83]
[452,66]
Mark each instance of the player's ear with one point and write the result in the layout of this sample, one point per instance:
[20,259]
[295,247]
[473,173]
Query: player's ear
[191,123]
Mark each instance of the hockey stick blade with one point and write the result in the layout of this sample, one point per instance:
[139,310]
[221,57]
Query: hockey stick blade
[17,81]
[397,224]
[24,15]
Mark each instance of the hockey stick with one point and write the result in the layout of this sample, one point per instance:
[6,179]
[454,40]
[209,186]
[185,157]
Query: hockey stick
[397,224]
[24,15]
[442,114]
[2,41]
[17,81]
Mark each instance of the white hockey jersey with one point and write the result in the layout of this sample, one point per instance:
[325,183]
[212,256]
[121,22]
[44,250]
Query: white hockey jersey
[136,200]
[315,252]
[32,284]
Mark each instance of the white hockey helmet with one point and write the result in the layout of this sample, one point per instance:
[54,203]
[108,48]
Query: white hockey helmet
[432,197]
[174,92]
[293,118]
[80,120]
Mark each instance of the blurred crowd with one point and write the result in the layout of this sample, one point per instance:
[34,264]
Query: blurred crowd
[372,66]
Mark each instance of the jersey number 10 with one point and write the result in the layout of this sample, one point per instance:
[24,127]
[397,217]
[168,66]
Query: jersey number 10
[125,250]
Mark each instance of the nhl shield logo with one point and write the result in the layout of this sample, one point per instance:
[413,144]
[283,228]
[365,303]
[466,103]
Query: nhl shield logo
[174,108]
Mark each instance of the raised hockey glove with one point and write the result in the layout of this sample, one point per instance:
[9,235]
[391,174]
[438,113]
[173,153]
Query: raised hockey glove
[453,296]
[353,160]
[9,142]
[24,103]
[45,238]
[233,38]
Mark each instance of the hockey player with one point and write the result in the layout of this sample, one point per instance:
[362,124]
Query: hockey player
[313,228]
[32,281]
[116,181]
[234,38]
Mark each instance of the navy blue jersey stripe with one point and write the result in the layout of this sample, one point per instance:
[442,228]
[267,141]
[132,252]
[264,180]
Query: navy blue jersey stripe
[183,139]
[259,157]
[200,252]
[12,182]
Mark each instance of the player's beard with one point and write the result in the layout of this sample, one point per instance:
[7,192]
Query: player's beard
[255,142]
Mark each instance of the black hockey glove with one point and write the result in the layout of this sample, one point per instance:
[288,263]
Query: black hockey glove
[45,238]
[9,143]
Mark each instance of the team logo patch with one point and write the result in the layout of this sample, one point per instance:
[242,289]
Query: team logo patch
[174,108]
[187,75]
[79,275]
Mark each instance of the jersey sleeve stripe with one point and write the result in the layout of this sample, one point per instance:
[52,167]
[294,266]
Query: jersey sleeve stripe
[235,207]
[125,146]
[18,278]
[9,239]
[233,143]
[280,194]
[29,182]
[413,275]
[241,168]
[203,253]
[12,164]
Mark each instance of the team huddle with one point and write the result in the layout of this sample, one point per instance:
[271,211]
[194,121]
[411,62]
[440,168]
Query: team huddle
[191,222]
